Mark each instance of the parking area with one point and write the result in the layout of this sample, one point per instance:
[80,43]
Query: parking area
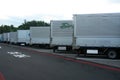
[100,59]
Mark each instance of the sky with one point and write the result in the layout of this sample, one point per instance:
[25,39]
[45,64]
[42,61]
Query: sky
[14,12]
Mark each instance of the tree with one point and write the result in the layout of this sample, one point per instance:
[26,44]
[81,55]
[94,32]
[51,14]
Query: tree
[7,28]
[24,26]
[27,25]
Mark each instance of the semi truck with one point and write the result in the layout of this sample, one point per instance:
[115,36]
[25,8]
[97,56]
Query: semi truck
[6,37]
[23,37]
[97,34]
[61,34]
[40,35]
[1,38]
[13,37]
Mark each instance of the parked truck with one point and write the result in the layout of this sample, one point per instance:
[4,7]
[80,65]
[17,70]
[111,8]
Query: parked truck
[40,35]
[61,34]
[23,37]
[13,37]
[6,37]
[1,38]
[97,34]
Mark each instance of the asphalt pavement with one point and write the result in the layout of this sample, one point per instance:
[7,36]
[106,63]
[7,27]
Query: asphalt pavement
[101,59]
[22,63]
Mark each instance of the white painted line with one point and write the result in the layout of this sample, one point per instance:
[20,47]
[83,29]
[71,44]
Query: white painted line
[18,54]
[0,47]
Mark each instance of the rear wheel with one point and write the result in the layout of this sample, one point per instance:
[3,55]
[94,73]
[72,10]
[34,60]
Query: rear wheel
[112,54]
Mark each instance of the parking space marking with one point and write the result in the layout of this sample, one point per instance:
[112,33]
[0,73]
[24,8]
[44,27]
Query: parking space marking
[18,54]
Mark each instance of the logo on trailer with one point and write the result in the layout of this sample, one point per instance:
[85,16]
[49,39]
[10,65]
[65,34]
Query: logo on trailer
[66,25]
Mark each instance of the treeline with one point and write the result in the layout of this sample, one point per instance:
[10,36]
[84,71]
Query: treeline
[7,28]
[23,26]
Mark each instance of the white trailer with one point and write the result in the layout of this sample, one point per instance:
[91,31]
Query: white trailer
[23,37]
[97,34]
[40,35]
[61,34]
[1,38]
[6,37]
[13,37]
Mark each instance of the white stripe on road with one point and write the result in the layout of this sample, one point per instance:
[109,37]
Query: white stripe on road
[18,54]
[0,47]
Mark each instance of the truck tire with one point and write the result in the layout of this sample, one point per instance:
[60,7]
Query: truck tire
[112,54]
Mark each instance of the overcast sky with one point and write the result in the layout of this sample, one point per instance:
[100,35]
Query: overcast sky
[15,11]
